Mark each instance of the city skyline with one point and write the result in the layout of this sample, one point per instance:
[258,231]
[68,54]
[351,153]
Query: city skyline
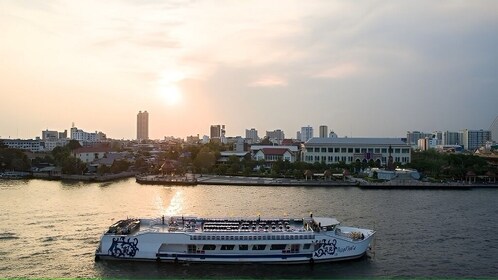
[361,68]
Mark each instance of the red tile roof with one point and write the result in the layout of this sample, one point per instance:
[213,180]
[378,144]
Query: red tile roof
[98,149]
[274,151]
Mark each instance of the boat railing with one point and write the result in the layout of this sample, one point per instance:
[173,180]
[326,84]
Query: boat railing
[353,235]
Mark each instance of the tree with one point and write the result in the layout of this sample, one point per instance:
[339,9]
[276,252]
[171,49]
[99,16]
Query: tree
[73,145]
[72,165]
[14,159]
[204,160]
[119,166]
[233,164]
[2,145]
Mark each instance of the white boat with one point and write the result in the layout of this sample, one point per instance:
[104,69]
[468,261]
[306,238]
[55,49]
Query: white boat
[229,240]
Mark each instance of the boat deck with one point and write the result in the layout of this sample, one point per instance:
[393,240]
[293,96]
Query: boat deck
[197,225]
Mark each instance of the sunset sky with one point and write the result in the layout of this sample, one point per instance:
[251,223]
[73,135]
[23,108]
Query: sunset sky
[364,68]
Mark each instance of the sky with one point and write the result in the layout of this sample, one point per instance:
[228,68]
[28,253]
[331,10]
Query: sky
[363,68]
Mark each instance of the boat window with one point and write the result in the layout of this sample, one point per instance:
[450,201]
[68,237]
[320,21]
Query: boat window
[227,247]
[306,246]
[243,247]
[191,248]
[259,247]
[278,246]
[294,248]
[209,247]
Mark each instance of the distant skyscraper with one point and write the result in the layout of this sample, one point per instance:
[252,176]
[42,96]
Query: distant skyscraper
[413,136]
[306,133]
[324,131]
[143,125]
[215,131]
[276,136]
[252,134]
[452,138]
[473,139]
[494,130]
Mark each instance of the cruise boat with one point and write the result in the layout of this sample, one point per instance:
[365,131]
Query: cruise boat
[229,240]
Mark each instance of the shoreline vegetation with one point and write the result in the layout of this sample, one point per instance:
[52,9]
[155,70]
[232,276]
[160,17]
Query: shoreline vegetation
[174,164]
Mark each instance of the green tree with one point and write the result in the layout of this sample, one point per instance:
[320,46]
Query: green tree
[72,165]
[119,166]
[14,159]
[205,160]
[73,145]
[234,165]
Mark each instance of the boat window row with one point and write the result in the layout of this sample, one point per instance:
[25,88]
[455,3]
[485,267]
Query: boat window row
[285,248]
[252,237]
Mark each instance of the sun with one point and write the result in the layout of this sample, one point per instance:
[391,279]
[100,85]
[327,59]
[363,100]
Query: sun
[172,95]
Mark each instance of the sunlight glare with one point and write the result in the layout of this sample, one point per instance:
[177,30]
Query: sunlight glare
[171,94]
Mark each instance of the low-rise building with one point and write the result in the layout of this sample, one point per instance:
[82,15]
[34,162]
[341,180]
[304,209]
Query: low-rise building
[90,154]
[21,144]
[349,150]
[270,155]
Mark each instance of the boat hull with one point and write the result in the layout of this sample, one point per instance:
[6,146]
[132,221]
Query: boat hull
[151,247]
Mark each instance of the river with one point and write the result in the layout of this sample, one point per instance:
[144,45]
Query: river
[51,228]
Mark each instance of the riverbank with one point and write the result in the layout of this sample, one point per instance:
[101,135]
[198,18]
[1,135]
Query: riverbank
[263,181]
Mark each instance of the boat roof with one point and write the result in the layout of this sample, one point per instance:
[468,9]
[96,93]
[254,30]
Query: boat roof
[325,221]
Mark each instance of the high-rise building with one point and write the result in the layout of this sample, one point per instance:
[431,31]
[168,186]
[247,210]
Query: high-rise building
[452,138]
[413,136]
[50,135]
[143,125]
[438,135]
[473,139]
[324,130]
[215,131]
[252,134]
[494,130]
[306,133]
[276,136]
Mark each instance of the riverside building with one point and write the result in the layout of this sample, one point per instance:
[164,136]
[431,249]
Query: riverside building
[349,150]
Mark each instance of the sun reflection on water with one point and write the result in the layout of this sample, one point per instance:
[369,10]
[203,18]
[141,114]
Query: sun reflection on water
[175,205]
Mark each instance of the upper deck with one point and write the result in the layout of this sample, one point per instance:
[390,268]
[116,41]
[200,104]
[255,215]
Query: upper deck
[195,225]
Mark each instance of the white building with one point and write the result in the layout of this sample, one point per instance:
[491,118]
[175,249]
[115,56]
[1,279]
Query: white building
[29,145]
[306,133]
[270,155]
[90,154]
[86,137]
[349,150]
[50,145]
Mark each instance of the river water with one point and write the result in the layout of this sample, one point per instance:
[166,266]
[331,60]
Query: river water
[51,228]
